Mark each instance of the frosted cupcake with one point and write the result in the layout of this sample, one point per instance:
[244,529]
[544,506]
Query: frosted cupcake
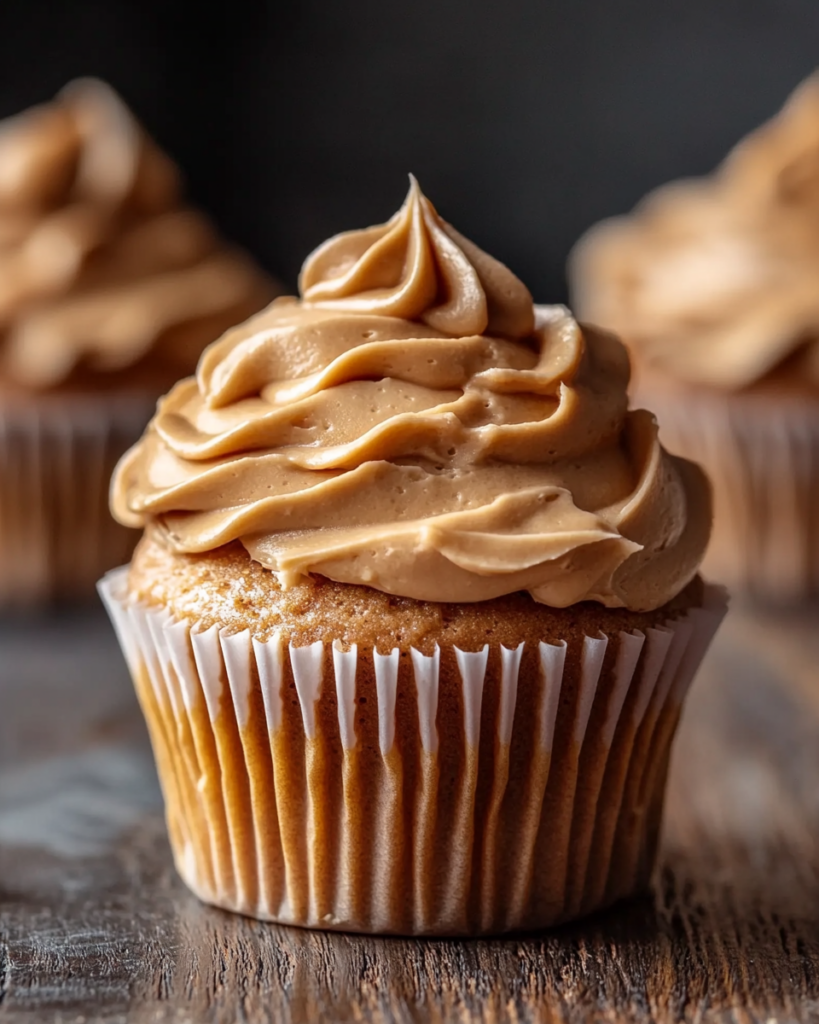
[417,602]
[712,284]
[110,289]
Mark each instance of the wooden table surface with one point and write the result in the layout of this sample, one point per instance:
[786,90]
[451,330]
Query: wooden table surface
[94,924]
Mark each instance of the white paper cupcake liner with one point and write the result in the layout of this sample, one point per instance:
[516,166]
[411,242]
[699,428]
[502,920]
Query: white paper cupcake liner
[57,455]
[762,457]
[485,792]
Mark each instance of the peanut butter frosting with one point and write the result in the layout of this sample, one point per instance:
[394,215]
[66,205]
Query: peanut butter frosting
[415,424]
[713,281]
[102,267]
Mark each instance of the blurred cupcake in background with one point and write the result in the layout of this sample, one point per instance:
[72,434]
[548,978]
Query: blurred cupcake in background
[714,285]
[110,288]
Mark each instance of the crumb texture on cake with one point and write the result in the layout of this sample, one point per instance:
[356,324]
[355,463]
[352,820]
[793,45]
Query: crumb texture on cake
[228,589]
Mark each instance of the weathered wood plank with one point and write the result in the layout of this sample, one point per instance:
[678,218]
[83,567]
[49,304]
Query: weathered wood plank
[94,924]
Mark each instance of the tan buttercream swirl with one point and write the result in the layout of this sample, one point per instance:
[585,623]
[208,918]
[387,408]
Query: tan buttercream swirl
[410,451]
[714,281]
[418,267]
[99,260]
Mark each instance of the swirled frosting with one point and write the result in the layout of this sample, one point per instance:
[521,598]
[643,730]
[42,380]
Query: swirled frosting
[102,269]
[415,424]
[714,281]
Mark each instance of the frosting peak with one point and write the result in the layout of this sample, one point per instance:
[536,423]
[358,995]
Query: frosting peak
[373,434]
[418,267]
[713,281]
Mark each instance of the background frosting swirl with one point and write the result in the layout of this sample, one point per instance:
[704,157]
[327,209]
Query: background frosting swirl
[101,264]
[375,438]
[714,280]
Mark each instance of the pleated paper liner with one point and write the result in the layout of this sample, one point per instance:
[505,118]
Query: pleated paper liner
[761,454]
[455,793]
[57,455]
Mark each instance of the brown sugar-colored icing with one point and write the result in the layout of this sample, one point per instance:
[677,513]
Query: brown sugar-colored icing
[418,267]
[102,267]
[713,281]
[414,424]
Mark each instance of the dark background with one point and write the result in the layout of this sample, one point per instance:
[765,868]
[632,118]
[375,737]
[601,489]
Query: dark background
[524,121]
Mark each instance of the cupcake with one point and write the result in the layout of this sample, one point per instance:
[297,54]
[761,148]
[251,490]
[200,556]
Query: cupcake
[712,284]
[110,289]
[417,601]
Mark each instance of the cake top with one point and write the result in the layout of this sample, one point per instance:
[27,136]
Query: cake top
[713,281]
[104,270]
[415,424]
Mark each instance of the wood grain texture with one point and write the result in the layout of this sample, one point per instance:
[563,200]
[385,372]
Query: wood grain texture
[94,924]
